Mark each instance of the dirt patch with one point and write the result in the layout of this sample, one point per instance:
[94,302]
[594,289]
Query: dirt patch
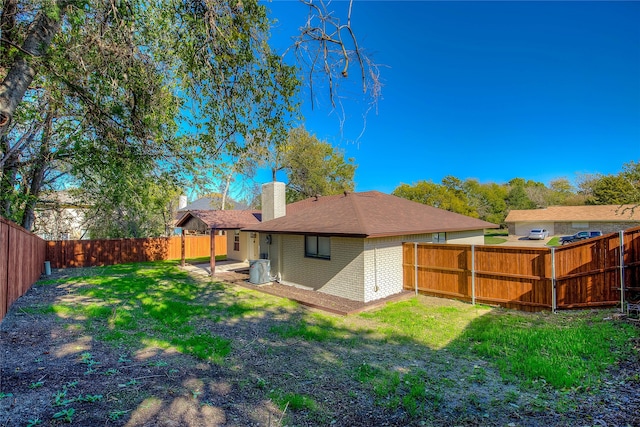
[54,370]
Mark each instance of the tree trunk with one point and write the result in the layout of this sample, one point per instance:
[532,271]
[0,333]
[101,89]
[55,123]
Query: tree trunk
[37,174]
[225,192]
[23,69]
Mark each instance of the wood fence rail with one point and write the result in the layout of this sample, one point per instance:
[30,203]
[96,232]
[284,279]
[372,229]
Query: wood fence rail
[90,253]
[593,273]
[22,256]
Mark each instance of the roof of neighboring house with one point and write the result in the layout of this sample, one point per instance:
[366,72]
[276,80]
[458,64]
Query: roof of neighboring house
[209,203]
[368,214]
[577,213]
[62,199]
[223,220]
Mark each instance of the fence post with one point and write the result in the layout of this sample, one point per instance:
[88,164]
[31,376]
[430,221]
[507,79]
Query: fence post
[415,266]
[473,274]
[554,289]
[621,262]
[182,249]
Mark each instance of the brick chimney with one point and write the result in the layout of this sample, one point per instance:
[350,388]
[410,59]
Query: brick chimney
[274,200]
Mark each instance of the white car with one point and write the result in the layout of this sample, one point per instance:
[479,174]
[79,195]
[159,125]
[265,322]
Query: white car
[538,234]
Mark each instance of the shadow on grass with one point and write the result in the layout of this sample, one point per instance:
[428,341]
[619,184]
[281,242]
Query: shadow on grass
[159,346]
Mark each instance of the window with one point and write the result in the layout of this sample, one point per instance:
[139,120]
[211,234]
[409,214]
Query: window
[439,237]
[236,240]
[317,247]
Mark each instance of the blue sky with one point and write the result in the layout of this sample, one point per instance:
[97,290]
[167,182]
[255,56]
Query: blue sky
[487,90]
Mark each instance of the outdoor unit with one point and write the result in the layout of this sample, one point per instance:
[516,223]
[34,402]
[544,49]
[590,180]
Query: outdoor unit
[259,271]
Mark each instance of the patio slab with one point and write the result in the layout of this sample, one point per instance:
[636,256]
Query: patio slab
[238,274]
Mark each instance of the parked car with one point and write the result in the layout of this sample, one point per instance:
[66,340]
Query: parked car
[538,234]
[581,235]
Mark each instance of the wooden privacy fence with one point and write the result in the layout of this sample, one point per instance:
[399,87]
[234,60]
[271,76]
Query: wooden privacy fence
[22,257]
[597,272]
[89,253]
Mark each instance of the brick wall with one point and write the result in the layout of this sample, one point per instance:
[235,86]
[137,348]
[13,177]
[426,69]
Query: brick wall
[383,265]
[470,237]
[565,228]
[342,275]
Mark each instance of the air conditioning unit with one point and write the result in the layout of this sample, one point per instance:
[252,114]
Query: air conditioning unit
[259,271]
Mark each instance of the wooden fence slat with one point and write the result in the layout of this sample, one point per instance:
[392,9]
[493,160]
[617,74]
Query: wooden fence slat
[21,262]
[587,273]
[4,268]
[88,253]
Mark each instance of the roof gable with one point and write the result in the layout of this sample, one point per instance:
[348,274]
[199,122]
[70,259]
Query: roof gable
[223,220]
[367,214]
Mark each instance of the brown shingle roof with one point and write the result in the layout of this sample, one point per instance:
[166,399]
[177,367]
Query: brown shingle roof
[368,214]
[577,213]
[223,220]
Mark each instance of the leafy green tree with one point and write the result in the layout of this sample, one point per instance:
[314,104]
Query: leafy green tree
[169,88]
[613,190]
[517,197]
[110,80]
[450,195]
[314,167]
[488,200]
[425,192]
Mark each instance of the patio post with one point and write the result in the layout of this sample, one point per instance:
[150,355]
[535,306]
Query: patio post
[212,260]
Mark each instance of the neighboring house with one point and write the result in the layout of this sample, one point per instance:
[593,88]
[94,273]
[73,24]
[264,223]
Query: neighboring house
[350,245]
[58,216]
[241,245]
[564,220]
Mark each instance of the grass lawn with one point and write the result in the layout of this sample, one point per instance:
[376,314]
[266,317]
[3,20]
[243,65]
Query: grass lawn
[145,343]
[495,237]
[554,241]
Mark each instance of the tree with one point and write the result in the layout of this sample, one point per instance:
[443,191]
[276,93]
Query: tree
[314,167]
[425,192]
[327,47]
[87,85]
[169,87]
[449,195]
[488,200]
[613,190]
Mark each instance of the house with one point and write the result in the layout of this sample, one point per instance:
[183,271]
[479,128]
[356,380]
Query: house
[241,246]
[350,245]
[60,216]
[562,220]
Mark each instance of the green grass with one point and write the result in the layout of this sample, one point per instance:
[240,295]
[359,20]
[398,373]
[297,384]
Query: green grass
[316,327]
[436,327]
[564,350]
[554,241]
[157,304]
[495,237]
[146,304]
[490,240]
[293,401]
[416,392]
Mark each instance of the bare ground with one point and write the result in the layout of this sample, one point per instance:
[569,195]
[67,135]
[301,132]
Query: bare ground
[52,364]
